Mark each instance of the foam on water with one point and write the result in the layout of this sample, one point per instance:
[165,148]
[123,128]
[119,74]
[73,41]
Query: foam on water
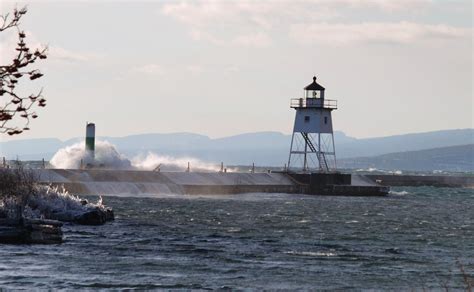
[398,193]
[311,254]
[373,169]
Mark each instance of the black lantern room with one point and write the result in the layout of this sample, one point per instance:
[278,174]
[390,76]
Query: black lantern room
[314,90]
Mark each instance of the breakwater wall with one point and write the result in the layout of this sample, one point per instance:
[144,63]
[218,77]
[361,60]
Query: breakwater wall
[338,184]
[423,180]
[118,182]
[123,182]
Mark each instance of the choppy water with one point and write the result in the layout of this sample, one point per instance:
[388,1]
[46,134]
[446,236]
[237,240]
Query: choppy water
[410,239]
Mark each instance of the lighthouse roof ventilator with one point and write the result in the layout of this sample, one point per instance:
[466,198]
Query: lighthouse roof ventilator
[312,143]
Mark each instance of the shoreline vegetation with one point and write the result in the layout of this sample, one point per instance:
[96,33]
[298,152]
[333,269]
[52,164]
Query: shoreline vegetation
[34,213]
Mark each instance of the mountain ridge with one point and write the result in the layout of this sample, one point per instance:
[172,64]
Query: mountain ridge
[451,158]
[264,148]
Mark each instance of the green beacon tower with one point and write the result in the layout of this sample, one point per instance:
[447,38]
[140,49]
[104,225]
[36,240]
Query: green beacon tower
[90,138]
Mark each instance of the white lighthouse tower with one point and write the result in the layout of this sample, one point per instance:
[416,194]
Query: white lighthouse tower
[312,144]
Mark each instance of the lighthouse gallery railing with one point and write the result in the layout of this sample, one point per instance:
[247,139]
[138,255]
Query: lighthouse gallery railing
[313,103]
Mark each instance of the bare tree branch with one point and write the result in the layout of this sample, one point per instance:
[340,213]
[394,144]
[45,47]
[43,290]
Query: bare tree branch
[17,111]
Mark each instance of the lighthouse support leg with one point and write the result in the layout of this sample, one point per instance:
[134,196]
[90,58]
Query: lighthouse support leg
[291,150]
[334,151]
[319,152]
[305,161]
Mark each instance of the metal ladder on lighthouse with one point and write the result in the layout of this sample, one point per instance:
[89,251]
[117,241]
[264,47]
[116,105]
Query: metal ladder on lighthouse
[313,149]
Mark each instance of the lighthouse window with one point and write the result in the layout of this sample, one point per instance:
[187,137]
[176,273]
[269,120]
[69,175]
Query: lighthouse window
[306,119]
[325,120]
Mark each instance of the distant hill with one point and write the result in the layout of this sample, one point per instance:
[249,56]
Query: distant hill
[453,158]
[263,148]
[407,142]
[31,148]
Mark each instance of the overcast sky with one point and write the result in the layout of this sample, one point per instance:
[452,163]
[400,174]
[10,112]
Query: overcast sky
[221,68]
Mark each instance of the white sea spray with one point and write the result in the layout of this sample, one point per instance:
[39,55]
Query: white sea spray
[107,156]
[152,160]
[46,200]
[398,193]
[373,169]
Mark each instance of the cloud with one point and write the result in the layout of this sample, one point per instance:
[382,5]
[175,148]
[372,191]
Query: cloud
[149,69]
[232,69]
[195,69]
[55,53]
[258,40]
[254,24]
[384,5]
[59,53]
[266,14]
[239,23]
[399,32]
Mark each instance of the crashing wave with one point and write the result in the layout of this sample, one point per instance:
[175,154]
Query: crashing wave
[107,156]
[373,169]
[400,193]
[75,157]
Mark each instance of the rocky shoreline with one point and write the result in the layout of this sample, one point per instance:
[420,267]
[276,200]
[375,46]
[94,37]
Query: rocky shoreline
[30,231]
[31,213]
[48,231]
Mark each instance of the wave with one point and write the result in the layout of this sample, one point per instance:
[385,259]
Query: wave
[152,161]
[373,169]
[76,156]
[400,193]
[311,253]
[107,156]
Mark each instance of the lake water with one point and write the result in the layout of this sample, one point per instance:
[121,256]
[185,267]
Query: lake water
[410,239]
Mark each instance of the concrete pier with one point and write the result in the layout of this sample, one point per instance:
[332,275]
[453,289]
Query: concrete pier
[121,182]
[339,184]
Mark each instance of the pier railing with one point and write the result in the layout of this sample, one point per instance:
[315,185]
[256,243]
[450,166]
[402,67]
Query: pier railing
[313,103]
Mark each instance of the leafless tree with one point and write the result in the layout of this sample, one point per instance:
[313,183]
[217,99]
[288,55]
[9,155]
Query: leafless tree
[17,110]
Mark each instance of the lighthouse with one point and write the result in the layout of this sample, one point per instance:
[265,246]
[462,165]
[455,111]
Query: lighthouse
[312,143]
[90,138]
